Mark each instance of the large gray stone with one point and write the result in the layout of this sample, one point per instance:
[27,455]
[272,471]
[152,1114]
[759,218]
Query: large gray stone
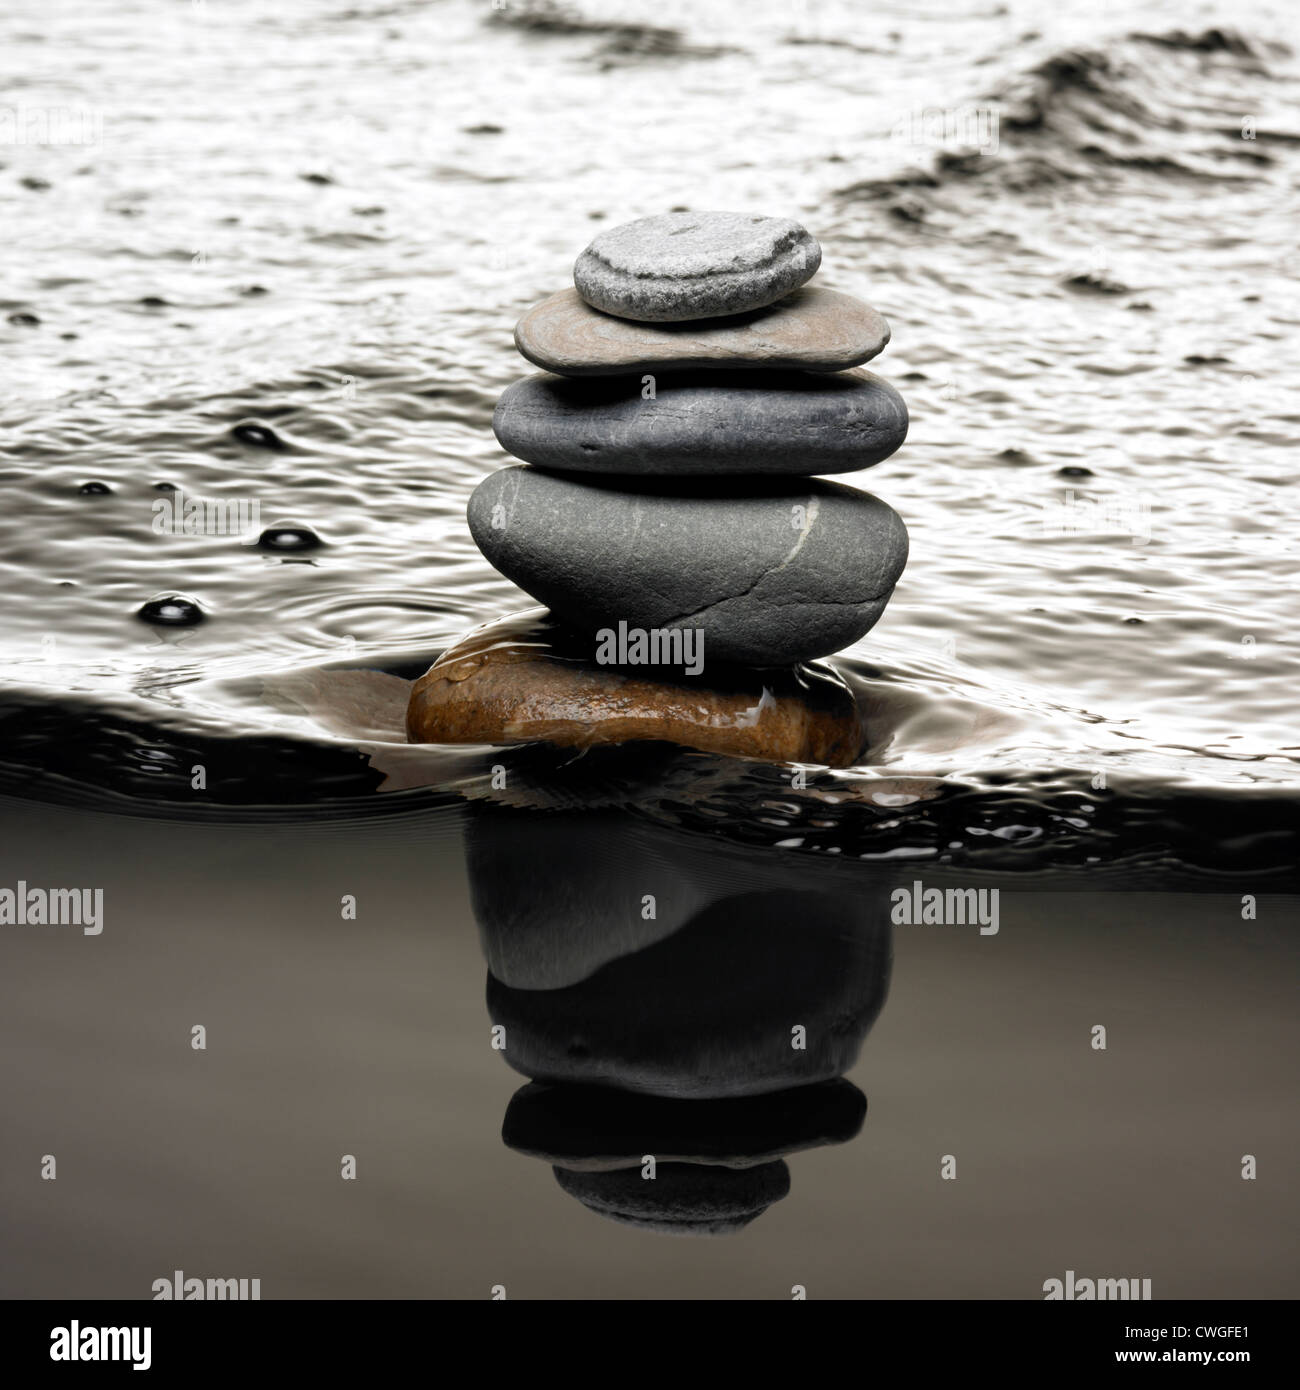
[770,573]
[695,265]
[703,423]
[813,329]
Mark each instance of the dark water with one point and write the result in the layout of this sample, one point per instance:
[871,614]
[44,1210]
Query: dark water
[271,256]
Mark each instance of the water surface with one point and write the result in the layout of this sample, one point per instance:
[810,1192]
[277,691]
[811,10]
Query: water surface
[278,266]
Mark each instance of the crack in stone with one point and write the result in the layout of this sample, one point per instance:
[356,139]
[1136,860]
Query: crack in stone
[813,511]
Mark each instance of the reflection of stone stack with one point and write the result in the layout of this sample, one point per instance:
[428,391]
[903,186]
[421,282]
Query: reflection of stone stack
[710,1033]
[667,516]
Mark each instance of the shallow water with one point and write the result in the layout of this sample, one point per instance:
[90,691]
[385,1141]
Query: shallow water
[344,212]
[278,263]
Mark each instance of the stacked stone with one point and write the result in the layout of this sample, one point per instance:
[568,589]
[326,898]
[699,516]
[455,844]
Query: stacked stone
[666,511]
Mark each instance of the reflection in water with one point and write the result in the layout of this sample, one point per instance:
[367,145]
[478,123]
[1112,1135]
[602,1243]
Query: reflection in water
[673,998]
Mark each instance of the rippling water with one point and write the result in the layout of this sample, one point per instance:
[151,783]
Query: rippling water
[323,222]
[271,255]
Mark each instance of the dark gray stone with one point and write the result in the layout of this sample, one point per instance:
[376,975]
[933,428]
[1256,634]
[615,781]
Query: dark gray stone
[559,895]
[601,1128]
[707,422]
[695,265]
[706,1013]
[684,1199]
[772,574]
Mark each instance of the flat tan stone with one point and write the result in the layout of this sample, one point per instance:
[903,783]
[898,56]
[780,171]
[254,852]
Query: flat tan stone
[813,329]
[523,679]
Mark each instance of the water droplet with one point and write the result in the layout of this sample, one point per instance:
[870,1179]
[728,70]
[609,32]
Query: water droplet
[252,432]
[164,487]
[1073,470]
[94,488]
[172,610]
[289,536]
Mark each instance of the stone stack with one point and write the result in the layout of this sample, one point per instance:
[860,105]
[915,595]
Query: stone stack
[666,511]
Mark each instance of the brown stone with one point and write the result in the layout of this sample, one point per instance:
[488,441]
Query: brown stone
[525,679]
[813,329]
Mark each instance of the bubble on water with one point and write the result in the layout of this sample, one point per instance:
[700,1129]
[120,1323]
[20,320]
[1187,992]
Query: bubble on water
[1074,470]
[289,536]
[94,488]
[164,487]
[172,610]
[154,301]
[254,432]
[24,320]
[1017,832]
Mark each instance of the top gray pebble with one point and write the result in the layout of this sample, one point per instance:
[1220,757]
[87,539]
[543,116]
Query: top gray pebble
[695,265]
